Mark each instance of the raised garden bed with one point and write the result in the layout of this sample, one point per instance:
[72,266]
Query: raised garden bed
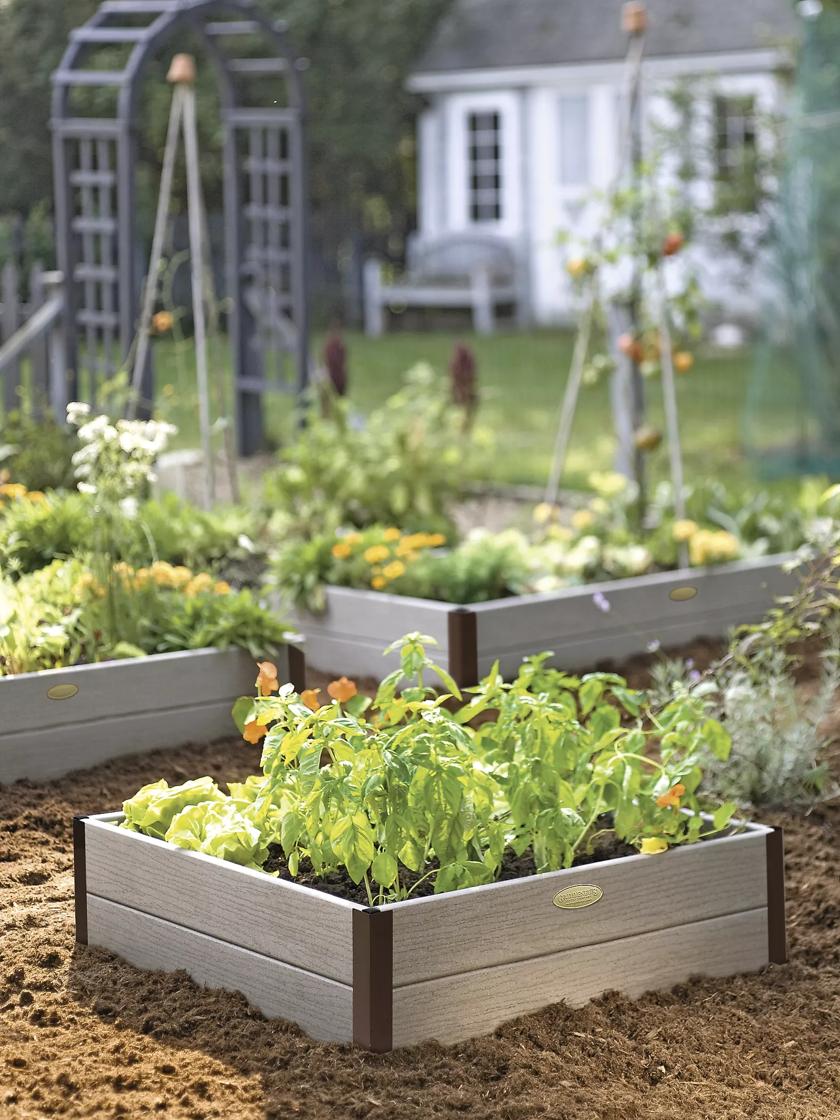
[583,625]
[61,720]
[446,967]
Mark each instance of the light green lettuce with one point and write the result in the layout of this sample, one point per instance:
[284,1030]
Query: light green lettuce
[153,809]
[219,829]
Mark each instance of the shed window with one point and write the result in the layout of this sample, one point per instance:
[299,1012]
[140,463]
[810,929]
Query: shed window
[736,153]
[484,137]
[574,141]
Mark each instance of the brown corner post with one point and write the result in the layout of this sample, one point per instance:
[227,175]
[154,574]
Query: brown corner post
[297,668]
[776,931]
[80,878]
[463,646]
[373,980]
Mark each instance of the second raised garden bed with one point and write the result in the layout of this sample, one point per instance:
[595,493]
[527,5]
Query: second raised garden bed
[445,967]
[68,719]
[582,626]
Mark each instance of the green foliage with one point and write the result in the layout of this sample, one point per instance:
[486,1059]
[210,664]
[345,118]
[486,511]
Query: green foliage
[406,465]
[417,792]
[36,453]
[64,615]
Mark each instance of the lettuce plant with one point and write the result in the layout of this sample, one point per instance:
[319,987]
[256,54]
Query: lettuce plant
[415,786]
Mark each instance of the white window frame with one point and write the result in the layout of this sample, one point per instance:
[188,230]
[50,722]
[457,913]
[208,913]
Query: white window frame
[460,109]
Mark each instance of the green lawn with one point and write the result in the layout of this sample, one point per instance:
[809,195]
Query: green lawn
[522,378]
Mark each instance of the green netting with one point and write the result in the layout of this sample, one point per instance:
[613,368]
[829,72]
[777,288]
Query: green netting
[793,410]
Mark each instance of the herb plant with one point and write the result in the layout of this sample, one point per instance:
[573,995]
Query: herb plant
[401,790]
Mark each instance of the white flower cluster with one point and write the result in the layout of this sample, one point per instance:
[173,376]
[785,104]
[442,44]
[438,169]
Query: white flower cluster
[116,458]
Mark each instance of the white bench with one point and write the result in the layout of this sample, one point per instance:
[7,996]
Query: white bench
[476,272]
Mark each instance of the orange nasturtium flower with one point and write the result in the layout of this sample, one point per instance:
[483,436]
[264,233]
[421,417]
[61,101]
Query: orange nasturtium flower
[653,846]
[309,697]
[163,322]
[342,690]
[671,799]
[253,732]
[266,681]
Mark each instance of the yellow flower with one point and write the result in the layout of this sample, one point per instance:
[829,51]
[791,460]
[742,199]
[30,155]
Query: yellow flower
[341,550]
[13,490]
[709,546]
[376,554]
[545,512]
[199,584]
[653,845]
[394,570]
[266,681]
[222,587]
[142,577]
[352,539]
[342,690]
[608,483]
[671,799]
[436,540]
[123,570]
[391,535]
[253,732]
[684,529]
[309,697]
[36,496]
[379,583]
[582,518]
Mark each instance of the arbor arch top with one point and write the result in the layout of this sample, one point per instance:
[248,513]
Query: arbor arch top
[95,159]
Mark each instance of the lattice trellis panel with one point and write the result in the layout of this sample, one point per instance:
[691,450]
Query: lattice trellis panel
[265,192]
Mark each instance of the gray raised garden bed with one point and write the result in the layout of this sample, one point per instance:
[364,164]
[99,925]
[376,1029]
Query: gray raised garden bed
[670,608]
[445,967]
[60,720]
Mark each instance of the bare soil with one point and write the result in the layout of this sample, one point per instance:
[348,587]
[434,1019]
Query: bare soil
[83,1035]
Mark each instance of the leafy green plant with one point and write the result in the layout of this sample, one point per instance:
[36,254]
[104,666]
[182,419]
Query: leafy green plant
[406,465]
[401,791]
[36,453]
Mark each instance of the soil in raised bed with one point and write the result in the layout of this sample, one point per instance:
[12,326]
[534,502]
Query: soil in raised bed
[84,1036]
[420,886]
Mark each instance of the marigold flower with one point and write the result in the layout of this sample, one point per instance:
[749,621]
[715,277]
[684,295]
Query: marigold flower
[391,535]
[671,799]
[253,732]
[222,587]
[36,496]
[684,529]
[394,570]
[199,584]
[266,681]
[376,554]
[342,690]
[13,490]
[653,845]
[436,540]
[582,518]
[379,583]
[163,322]
[341,550]
[309,697]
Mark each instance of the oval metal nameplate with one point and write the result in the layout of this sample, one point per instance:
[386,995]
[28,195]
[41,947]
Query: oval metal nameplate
[683,594]
[63,691]
[576,898]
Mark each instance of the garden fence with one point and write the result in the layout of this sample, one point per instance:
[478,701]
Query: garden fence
[32,357]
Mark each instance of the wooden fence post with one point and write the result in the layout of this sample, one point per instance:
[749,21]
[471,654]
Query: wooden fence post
[11,380]
[40,387]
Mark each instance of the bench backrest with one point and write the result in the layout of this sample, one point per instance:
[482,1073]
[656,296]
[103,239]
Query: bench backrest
[460,254]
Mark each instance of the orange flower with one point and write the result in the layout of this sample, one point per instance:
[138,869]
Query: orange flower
[266,681]
[253,732]
[309,696]
[671,799]
[342,690]
[163,322]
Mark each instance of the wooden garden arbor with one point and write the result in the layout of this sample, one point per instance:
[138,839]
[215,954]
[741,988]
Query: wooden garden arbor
[265,203]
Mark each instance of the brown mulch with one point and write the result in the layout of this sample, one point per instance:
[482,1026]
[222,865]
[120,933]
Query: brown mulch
[83,1035]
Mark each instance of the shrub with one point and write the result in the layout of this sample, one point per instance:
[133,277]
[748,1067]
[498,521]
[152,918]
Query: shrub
[36,453]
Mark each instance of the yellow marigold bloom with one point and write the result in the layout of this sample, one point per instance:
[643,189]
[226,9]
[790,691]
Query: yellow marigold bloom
[341,550]
[671,799]
[684,529]
[123,570]
[13,490]
[709,546]
[353,538]
[379,583]
[199,584]
[394,570]
[266,681]
[391,535]
[436,540]
[653,845]
[309,697]
[36,496]
[583,518]
[253,732]
[142,577]
[181,576]
[342,690]
[406,550]
[222,587]
[376,554]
